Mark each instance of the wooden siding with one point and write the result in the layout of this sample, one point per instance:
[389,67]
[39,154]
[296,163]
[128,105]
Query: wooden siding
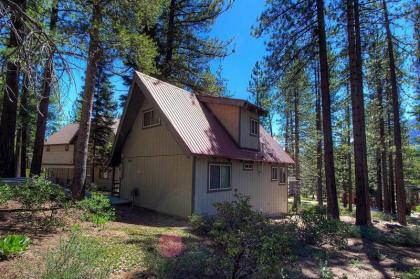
[154,164]
[58,155]
[228,116]
[266,195]
[247,140]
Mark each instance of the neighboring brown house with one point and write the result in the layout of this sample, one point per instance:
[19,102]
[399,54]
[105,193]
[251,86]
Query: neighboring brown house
[180,153]
[58,159]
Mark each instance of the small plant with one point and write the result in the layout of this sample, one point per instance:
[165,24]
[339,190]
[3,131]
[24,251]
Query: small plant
[76,258]
[356,263]
[96,209]
[324,271]
[317,229]
[13,244]
[378,255]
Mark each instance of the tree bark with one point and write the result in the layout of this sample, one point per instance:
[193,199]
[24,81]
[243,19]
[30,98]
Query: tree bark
[296,197]
[349,163]
[319,191]
[18,151]
[170,39]
[24,116]
[391,166]
[82,143]
[399,172]
[383,150]
[41,123]
[286,132]
[10,100]
[332,202]
[358,116]
[379,203]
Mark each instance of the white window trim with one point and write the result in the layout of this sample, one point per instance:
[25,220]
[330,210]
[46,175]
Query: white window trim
[251,120]
[152,125]
[277,173]
[251,168]
[220,178]
[285,178]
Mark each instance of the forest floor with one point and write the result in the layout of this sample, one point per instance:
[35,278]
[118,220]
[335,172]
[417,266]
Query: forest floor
[131,242]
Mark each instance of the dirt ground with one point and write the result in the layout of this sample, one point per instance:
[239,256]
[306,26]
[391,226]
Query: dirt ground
[361,259]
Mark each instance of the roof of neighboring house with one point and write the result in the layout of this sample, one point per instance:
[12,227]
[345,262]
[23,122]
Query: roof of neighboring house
[193,125]
[231,102]
[68,133]
[65,135]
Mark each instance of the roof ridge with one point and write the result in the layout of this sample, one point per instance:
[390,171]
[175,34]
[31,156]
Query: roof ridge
[167,83]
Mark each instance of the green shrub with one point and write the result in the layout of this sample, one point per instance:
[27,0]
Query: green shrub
[412,274]
[246,243]
[96,209]
[6,193]
[13,244]
[200,224]
[76,258]
[38,192]
[317,229]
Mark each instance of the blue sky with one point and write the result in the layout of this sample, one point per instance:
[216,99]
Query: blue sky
[234,24]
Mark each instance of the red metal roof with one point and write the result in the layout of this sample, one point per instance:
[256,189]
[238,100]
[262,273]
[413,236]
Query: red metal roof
[199,129]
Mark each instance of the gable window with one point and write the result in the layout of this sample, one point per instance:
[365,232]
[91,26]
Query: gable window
[253,129]
[248,166]
[219,176]
[150,118]
[282,175]
[274,173]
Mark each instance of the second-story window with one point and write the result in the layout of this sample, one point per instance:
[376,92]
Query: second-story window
[253,129]
[150,118]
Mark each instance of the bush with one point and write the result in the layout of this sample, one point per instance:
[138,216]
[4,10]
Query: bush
[96,209]
[200,224]
[6,193]
[412,274]
[13,244]
[76,258]
[39,192]
[245,241]
[317,229]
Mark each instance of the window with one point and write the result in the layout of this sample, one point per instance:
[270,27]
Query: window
[219,177]
[253,129]
[248,166]
[104,173]
[150,118]
[282,176]
[274,173]
[48,148]
[66,147]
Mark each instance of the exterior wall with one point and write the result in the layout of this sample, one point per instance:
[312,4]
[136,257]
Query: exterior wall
[246,139]
[155,165]
[228,116]
[58,154]
[266,195]
[60,175]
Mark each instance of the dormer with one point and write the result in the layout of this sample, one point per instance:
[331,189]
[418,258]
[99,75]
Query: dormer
[240,118]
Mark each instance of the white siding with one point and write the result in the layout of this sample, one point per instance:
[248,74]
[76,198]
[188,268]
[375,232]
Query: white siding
[153,162]
[266,195]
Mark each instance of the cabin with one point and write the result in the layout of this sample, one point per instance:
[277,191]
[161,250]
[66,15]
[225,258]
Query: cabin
[58,160]
[179,152]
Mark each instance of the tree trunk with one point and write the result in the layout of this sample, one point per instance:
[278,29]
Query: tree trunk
[349,172]
[18,151]
[379,203]
[399,173]
[319,141]
[10,100]
[386,197]
[169,48]
[286,132]
[391,167]
[358,116]
[41,123]
[332,202]
[24,116]
[296,197]
[82,143]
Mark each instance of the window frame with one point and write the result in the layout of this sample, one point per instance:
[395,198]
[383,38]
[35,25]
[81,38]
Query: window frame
[248,164]
[251,121]
[144,126]
[285,175]
[220,173]
[277,173]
